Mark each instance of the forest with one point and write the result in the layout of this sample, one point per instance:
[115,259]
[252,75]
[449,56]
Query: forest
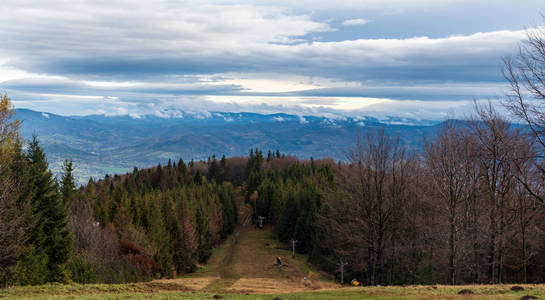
[468,208]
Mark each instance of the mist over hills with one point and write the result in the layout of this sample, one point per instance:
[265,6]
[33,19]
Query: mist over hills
[100,144]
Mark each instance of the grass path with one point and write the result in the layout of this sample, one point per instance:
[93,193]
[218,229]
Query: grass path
[227,275]
[245,264]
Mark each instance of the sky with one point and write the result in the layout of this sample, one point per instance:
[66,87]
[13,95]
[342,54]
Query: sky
[420,59]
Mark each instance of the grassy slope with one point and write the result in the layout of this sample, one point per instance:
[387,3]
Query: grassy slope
[175,291]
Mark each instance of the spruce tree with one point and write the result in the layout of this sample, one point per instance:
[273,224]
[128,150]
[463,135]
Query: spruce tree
[68,187]
[182,171]
[213,168]
[50,236]
[159,235]
[229,209]
[223,170]
[186,243]
[288,219]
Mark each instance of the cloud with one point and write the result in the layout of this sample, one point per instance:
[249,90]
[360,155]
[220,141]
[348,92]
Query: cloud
[354,22]
[148,56]
[420,91]
[360,5]
[102,42]
[455,58]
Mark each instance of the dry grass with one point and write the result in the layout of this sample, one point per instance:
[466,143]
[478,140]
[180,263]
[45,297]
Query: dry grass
[269,289]
[196,283]
[274,286]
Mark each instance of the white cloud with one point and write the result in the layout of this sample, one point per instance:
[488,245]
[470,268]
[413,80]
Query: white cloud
[354,22]
[351,5]
[126,55]
[91,39]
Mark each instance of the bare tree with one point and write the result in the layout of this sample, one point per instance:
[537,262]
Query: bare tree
[449,161]
[497,141]
[525,208]
[525,99]
[362,220]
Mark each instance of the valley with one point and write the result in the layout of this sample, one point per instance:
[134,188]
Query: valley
[101,145]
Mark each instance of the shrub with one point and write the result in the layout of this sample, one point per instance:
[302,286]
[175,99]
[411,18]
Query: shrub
[81,270]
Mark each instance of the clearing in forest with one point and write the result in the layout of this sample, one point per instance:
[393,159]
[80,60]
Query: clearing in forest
[245,264]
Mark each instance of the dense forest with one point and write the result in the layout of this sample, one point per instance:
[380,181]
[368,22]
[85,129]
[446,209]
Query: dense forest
[468,208]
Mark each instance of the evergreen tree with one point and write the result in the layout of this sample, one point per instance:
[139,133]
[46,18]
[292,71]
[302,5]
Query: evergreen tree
[68,187]
[186,243]
[182,171]
[197,179]
[50,236]
[229,208]
[222,176]
[158,233]
[213,169]
[288,219]
[203,236]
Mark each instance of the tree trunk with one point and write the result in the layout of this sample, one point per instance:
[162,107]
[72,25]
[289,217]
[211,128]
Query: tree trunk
[492,251]
[451,250]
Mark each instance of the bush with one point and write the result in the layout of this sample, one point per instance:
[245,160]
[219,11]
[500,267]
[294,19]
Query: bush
[121,271]
[426,273]
[31,268]
[81,270]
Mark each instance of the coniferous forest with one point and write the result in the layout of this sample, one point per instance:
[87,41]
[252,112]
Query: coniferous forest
[466,208]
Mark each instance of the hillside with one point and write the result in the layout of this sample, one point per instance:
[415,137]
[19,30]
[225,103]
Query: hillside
[102,145]
[244,263]
[242,268]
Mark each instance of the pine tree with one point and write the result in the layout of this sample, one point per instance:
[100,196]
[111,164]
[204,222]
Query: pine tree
[213,168]
[203,236]
[229,209]
[304,231]
[68,187]
[288,219]
[158,233]
[186,243]
[182,172]
[252,173]
[50,236]
[222,176]
[215,222]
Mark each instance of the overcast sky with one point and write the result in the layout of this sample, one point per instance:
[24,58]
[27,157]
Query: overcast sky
[423,59]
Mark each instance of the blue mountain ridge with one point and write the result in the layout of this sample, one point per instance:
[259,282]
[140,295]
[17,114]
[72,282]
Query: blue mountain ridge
[100,144]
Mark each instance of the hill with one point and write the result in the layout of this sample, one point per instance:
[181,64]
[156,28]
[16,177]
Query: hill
[102,145]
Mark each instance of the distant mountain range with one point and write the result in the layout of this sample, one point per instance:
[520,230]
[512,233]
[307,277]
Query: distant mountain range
[100,144]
